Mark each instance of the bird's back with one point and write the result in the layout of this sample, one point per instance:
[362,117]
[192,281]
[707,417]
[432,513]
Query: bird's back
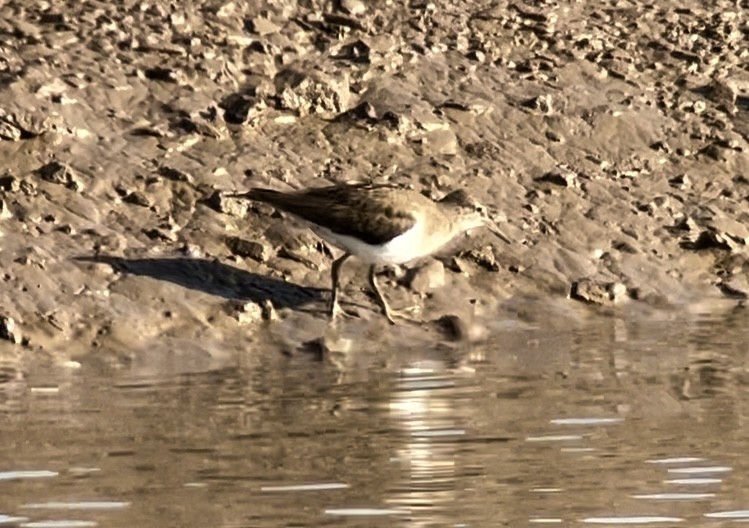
[372,213]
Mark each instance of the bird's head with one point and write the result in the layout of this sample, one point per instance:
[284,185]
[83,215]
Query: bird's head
[472,214]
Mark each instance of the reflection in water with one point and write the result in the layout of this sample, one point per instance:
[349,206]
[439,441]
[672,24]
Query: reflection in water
[619,422]
[423,410]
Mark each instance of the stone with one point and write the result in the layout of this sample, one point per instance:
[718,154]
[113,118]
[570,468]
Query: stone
[427,277]
[9,331]
[248,248]
[248,313]
[594,291]
[175,174]
[5,212]
[9,183]
[137,198]
[352,7]
[61,174]
[233,206]
[453,326]
[261,26]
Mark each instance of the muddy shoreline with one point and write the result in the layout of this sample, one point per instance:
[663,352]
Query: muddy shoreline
[612,139]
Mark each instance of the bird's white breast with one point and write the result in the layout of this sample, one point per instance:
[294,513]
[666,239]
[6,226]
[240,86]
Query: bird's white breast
[399,250]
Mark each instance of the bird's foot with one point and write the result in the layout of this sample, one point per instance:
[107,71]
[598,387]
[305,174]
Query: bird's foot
[407,314]
[336,312]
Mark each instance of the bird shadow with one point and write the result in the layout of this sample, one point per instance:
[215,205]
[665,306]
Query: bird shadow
[215,278]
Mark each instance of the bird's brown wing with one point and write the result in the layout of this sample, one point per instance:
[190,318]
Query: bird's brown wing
[359,210]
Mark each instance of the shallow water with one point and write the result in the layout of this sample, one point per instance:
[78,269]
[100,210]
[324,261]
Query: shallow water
[614,422]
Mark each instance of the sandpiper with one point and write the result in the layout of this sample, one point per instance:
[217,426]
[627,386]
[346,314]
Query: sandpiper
[378,223]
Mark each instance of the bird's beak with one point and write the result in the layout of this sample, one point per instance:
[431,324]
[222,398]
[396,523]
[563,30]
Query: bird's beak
[498,233]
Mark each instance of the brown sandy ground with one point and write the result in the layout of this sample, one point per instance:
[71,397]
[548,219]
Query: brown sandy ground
[611,135]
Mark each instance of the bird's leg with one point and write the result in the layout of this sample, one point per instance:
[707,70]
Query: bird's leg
[389,314]
[335,275]
[378,295]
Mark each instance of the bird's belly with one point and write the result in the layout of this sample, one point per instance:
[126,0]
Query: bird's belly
[399,250]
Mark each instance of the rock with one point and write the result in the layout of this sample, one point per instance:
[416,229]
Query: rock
[55,172]
[362,112]
[54,87]
[9,183]
[234,206]
[597,292]
[204,123]
[736,287]
[175,174]
[261,26]
[715,151]
[484,257]
[357,52]
[706,239]
[343,21]
[5,212]
[247,312]
[137,198]
[312,93]
[160,73]
[8,130]
[460,198]
[686,224]
[249,248]
[17,126]
[563,178]
[476,55]
[453,326]
[351,7]
[553,135]
[427,277]
[9,331]
[240,108]
[681,181]
[61,174]
[227,9]
[722,94]
[733,232]
[322,346]
[317,347]
[540,103]
[160,234]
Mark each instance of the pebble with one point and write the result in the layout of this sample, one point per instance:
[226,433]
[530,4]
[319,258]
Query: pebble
[352,7]
[453,326]
[9,331]
[249,248]
[175,174]
[247,313]
[485,258]
[562,178]
[233,206]
[428,277]
[61,174]
[5,212]
[9,183]
[261,26]
[598,292]
[736,287]
[137,198]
